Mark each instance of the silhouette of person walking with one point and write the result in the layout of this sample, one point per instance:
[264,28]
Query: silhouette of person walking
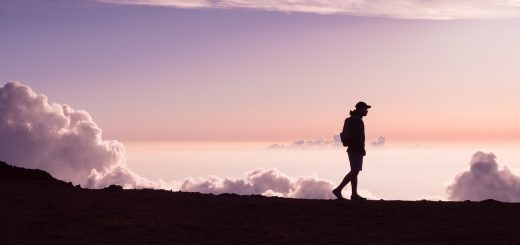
[355,129]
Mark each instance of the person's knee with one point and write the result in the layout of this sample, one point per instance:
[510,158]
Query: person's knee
[353,173]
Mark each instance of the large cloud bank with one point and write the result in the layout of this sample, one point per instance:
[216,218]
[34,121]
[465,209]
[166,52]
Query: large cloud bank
[484,180]
[405,9]
[270,182]
[65,142]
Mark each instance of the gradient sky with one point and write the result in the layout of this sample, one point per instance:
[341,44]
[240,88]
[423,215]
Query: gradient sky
[168,73]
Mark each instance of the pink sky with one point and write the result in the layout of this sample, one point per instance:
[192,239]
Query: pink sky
[436,73]
[167,73]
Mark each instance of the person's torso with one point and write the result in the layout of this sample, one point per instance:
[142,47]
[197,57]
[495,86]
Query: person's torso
[357,131]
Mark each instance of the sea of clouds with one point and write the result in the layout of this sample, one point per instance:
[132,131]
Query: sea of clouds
[67,143]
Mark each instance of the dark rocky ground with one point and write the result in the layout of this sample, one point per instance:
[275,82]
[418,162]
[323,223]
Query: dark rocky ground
[38,209]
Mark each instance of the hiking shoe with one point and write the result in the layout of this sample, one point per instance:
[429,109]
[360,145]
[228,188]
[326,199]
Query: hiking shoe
[338,195]
[357,198]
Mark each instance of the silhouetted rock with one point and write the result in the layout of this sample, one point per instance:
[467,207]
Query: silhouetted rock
[38,209]
[23,176]
[113,188]
[490,201]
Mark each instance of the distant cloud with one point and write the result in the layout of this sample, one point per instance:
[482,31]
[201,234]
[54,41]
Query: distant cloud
[308,144]
[65,142]
[379,142]
[321,143]
[484,180]
[406,9]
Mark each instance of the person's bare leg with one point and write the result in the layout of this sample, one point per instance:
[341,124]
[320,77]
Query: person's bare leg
[355,196]
[344,182]
[354,182]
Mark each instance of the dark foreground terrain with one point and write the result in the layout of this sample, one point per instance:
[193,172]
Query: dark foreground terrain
[38,209]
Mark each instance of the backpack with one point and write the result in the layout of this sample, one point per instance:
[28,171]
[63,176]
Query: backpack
[345,135]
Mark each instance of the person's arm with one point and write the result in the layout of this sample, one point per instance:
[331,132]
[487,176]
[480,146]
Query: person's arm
[356,131]
[346,128]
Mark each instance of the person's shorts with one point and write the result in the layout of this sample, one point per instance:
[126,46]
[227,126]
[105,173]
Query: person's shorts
[356,160]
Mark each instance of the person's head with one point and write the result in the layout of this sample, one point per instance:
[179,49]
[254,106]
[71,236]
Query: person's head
[362,108]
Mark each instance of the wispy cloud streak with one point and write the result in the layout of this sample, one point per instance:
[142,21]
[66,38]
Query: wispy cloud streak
[406,9]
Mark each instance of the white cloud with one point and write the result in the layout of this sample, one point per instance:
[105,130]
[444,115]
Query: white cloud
[65,142]
[269,182]
[405,9]
[484,180]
